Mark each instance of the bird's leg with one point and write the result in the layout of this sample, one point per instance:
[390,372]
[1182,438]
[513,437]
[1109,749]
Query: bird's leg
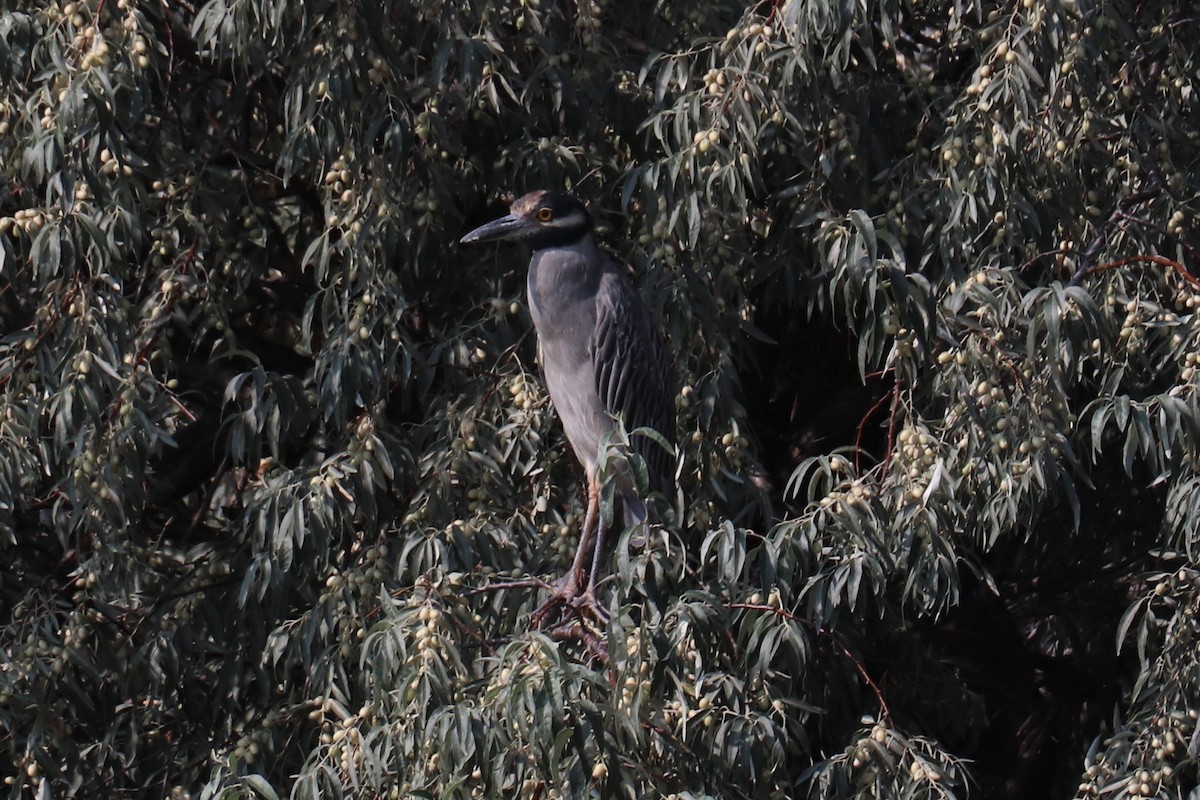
[567,588]
[597,557]
[587,600]
[635,515]
[591,521]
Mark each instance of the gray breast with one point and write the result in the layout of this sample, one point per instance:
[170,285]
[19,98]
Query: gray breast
[563,282]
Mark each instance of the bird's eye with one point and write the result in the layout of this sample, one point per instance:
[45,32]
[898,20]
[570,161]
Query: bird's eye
[545,215]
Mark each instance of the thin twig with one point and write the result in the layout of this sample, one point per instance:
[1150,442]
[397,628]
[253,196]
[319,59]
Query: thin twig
[862,424]
[1115,218]
[1152,259]
[891,435]
[828,634]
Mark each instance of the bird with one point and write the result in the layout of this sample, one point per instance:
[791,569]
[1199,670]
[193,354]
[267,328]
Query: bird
[604,361]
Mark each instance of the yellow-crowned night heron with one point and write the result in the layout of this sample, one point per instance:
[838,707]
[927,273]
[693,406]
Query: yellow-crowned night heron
[602,356]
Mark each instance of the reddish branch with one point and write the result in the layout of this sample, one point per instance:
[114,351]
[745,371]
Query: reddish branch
[1114,221]
[841,648]
[893,393]
[1151,259]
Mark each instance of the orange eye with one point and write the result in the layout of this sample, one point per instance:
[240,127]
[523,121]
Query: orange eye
[545,215]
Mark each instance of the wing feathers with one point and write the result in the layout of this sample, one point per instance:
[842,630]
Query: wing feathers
[632,372]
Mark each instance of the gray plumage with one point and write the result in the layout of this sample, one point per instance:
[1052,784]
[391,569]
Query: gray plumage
[601,352]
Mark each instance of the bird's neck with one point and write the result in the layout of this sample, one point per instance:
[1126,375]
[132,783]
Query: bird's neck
[564,275]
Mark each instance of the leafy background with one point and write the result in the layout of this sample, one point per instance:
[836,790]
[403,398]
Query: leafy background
[267,434]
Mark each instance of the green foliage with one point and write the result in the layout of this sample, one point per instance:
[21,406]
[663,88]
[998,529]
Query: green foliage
[275,459]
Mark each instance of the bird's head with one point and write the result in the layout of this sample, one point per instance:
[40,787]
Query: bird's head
[539,219]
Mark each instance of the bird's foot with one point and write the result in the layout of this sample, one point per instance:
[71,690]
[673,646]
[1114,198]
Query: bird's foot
[586,605]
[572,615]
[568,604]
[553,611]
[568,614]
